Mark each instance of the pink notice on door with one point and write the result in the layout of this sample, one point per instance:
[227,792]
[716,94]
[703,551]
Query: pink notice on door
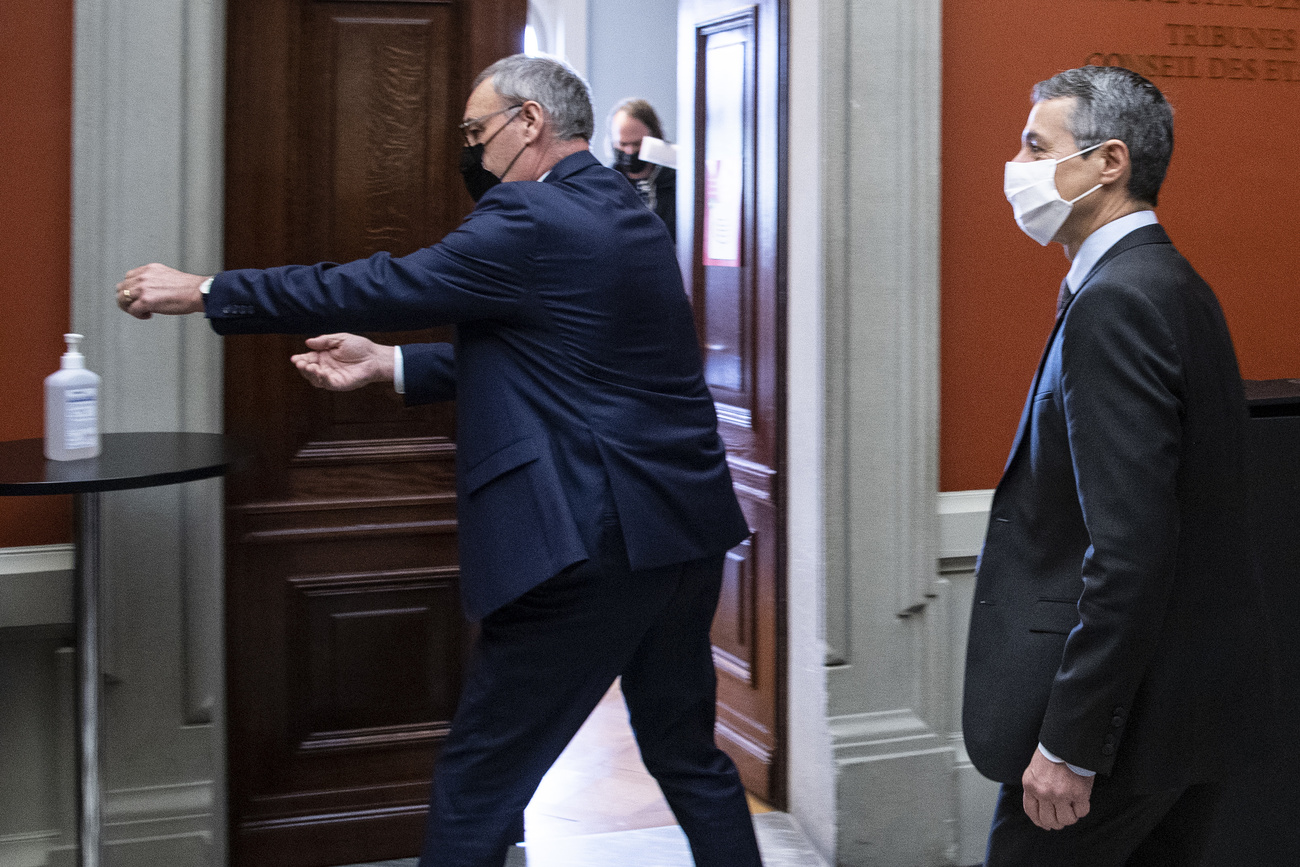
[724,148]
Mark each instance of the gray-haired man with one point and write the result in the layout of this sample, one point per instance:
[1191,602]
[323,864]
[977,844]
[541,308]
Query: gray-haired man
[1115,671]
[594,500]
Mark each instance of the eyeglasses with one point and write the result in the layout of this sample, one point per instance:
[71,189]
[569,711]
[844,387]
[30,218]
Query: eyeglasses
[474,126]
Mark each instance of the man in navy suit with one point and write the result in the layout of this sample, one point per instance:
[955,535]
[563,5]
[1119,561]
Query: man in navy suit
[594,500]
[1114,673]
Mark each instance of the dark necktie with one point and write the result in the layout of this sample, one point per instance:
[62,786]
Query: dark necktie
[1063,298]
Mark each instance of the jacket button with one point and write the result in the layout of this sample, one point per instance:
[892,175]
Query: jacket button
[1110,740]
[1119,711]
[1108,750]
[1117,721]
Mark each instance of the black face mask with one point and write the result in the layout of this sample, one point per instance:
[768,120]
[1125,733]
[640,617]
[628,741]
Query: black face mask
[628,164]
[478,180]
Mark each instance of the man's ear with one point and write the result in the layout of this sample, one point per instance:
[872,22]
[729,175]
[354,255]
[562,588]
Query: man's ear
[534,118]
[1116,165]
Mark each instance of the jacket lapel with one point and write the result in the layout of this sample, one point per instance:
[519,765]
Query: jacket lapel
[1033,386]
[1153,234]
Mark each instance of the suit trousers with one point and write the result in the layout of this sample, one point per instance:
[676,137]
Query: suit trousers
[1162,829]
[539,667]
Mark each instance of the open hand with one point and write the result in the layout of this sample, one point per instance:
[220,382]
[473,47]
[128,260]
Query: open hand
[1055,796]
[343,362]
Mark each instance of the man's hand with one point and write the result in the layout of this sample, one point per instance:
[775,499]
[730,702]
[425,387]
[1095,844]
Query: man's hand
[343,362]
[1055,796]
[156,288]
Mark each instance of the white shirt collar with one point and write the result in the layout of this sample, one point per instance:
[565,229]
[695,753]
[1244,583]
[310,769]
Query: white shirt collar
[1096,244]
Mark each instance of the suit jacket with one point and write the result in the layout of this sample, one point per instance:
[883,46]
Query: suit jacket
[1116,617]
[577,374]
[666,199]
[664,185]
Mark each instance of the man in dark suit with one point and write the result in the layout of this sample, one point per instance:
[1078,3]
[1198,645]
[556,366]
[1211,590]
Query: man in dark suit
[595,504]
[1114,671]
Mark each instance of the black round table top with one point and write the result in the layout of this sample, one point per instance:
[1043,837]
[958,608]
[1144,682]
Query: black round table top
[126,460]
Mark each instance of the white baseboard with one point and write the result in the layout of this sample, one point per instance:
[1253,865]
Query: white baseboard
[893,778]
[36,585]
[963,520]
[37,558]
[27,850]
[154,825]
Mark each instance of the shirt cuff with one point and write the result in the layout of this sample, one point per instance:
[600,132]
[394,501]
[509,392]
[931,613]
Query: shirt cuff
[206,286]
[399,374]
[1051,757]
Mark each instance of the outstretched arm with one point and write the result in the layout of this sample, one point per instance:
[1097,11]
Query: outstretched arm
[343,362]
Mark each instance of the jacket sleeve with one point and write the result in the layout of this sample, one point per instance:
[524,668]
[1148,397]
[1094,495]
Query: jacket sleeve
[1121,389]
[476,272]
[429,370]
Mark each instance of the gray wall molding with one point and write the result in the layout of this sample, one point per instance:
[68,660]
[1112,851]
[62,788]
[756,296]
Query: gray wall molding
[963,520]
[812,798]
[885,630]
[881,110]
[35,588]
[29,849]
[33,559]
[863,737]
[151,825]
[147,187]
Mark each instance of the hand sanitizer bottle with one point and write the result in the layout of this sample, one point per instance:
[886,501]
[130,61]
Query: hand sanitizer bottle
[71,407]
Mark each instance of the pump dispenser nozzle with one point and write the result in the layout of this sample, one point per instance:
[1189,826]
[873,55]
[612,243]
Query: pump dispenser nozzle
[73,357]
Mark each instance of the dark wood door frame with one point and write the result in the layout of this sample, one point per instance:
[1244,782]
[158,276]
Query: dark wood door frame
[738,292]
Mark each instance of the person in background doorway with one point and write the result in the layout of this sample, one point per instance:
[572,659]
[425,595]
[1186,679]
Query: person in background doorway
[631,121]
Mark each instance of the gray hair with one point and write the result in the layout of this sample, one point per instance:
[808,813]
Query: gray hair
[553,85]
[1116,103]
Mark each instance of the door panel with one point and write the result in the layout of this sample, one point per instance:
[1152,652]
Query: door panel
[731,70]
[345,639]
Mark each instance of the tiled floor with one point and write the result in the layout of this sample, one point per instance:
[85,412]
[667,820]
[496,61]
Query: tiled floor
[781,843]
[599,807]
[599,783]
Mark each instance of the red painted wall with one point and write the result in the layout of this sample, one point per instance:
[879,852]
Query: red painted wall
[1231,202]
[35,224]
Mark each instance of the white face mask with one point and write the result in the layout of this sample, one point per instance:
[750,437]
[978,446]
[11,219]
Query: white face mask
[1038,207]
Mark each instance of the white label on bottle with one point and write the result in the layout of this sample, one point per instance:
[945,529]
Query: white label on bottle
[81,414]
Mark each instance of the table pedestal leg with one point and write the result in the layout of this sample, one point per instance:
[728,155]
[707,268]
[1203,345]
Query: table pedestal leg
[88,677]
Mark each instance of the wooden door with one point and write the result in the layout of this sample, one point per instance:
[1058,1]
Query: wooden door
[345,639]
[731,234]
